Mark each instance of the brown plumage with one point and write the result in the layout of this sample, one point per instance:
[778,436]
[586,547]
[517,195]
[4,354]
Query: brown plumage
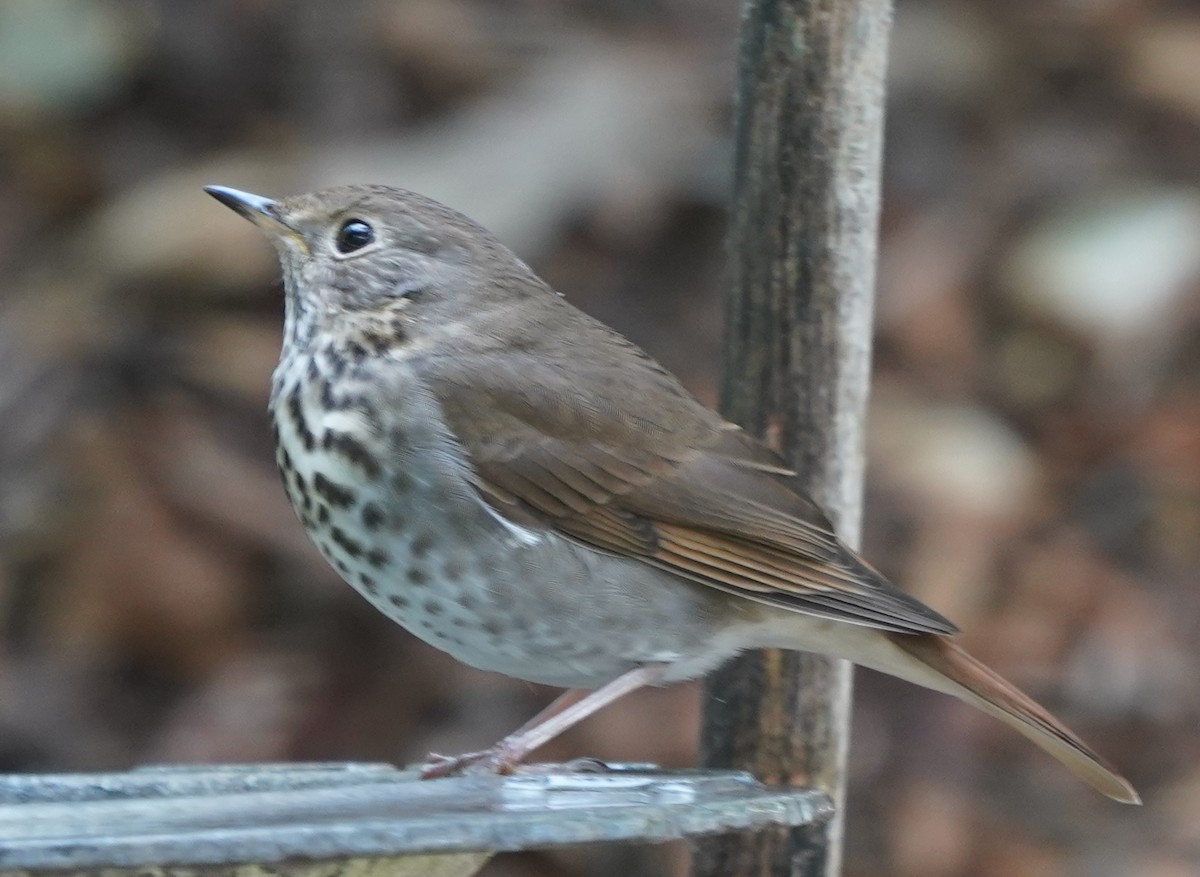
[674,484]
[521,486]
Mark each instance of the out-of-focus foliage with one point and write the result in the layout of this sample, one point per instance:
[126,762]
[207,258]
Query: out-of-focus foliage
[1035,425]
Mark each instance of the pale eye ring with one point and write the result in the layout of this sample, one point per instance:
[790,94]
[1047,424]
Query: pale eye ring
[354,235]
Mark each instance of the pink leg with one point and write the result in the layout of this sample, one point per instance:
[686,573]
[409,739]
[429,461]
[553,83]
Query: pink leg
[567,710]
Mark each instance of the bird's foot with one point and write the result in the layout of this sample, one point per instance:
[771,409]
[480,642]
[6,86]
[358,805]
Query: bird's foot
[496,760]
[503,762]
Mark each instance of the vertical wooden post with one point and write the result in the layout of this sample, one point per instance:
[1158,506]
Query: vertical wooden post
[802,253]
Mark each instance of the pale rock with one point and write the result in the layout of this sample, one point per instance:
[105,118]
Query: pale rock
[1113,266]
[955,456]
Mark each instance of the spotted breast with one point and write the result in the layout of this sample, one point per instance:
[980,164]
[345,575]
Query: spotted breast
[386,493]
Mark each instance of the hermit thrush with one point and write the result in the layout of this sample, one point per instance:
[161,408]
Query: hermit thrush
[518,485]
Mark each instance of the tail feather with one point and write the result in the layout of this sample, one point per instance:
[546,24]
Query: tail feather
[983,687]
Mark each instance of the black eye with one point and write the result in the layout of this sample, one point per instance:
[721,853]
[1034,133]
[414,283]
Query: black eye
[354,235]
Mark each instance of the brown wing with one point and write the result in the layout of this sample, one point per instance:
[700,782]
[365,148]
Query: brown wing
[657,476]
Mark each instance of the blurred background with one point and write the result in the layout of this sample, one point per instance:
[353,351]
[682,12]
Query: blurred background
[1034,452]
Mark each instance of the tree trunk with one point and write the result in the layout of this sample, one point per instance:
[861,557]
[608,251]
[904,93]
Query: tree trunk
[802,238]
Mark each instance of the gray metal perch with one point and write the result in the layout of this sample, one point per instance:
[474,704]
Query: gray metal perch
[364,819]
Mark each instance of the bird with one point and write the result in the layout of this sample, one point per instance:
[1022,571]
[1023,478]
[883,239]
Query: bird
[520,486]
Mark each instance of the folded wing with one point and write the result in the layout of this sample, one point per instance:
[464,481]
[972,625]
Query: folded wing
[658,476]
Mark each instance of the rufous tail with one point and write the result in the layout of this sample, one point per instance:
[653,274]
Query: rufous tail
[982,687]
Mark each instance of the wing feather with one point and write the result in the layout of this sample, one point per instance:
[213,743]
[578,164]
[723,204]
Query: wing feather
[658,476]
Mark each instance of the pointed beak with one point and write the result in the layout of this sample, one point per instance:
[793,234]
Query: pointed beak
[263,212]
[254,207]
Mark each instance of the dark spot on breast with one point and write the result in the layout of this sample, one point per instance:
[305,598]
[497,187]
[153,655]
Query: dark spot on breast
[295,410]
[453,570]
[491,627]
[467,602]
[433,607]
[378,342]
[417,576]
[402,482]
[378,558]
[327,400]
[322,514]
[356,352]
[333,402]
[422,544]
[336,363]
[351,450]
[372,516]
[351,546]
[368,584]
[338,495]
[399,601]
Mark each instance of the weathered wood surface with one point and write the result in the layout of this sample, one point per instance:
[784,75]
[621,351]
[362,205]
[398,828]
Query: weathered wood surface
[802,246]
